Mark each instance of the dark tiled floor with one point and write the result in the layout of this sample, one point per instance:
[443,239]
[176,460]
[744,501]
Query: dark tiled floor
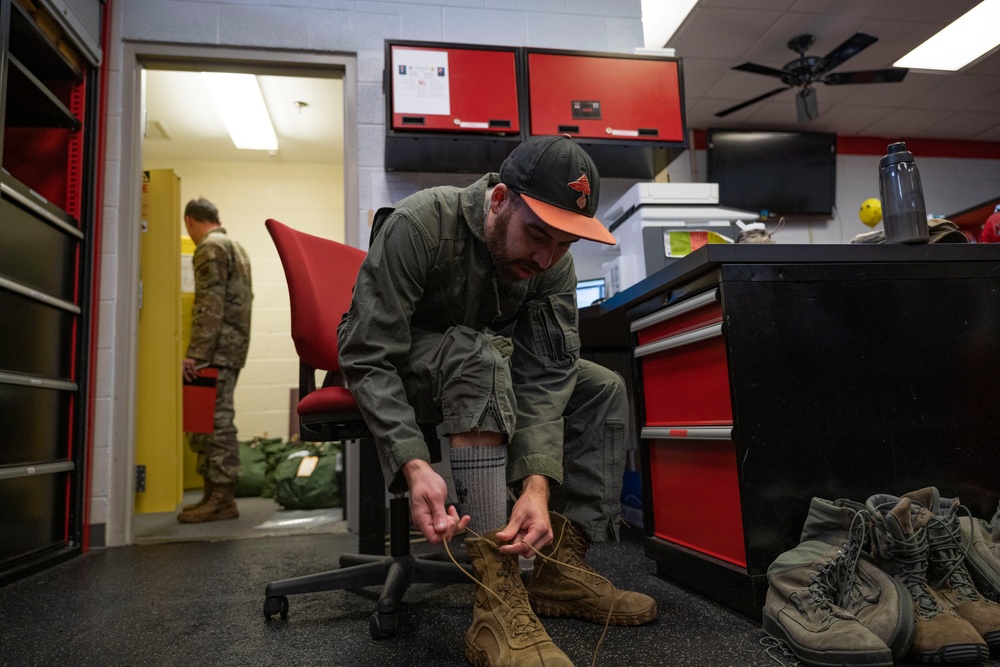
[200,602]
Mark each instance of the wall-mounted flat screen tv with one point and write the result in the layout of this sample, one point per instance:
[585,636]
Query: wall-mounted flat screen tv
[774,173]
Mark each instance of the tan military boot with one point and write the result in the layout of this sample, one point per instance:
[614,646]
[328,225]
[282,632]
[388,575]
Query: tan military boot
[947,572]
[209,484]
[504,631]
[901,546]
[221,505]
[570,587]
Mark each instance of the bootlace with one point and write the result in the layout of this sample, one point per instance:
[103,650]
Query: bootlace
[947,555]
[521,607]
[778,651]
[823,583]
[847,586]
[516,609]
[911,554]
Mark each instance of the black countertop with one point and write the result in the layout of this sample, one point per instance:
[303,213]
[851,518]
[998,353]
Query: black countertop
[605,325]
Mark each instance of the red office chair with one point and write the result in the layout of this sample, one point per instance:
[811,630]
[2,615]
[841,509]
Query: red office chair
[321,275]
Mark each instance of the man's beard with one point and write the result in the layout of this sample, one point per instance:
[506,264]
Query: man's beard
[496,244]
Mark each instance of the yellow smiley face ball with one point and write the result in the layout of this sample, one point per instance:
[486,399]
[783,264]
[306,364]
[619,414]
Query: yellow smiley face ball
[871,211]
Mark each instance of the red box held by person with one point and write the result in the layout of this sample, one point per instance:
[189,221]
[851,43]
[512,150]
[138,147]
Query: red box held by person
[199,401]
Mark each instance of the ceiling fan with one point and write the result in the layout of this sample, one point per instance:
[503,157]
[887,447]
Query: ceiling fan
[805,71]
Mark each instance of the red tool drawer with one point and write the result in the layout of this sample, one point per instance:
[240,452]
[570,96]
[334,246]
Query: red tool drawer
[693,313]
[603,96]
[441,89]
[696,496]
[686,383]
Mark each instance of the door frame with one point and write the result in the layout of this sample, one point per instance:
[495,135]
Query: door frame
[136,57]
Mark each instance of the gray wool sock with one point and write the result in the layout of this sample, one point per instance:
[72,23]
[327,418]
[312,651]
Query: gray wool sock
[480,475]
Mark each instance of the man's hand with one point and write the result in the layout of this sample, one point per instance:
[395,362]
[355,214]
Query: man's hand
[428,493]
[189,369]
[529,520]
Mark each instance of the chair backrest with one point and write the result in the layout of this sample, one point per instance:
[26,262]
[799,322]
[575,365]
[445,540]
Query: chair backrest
[321,275]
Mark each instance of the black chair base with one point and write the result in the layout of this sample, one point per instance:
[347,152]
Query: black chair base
[394,573]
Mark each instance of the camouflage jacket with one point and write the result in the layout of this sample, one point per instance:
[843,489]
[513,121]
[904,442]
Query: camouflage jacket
[428,268]
[220,322]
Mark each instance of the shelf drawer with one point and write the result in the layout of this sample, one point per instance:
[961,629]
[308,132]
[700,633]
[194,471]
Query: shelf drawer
[34,512]
[694,485]
[44,434]
[694,313]
[685,379]
[37,253]
[38,336]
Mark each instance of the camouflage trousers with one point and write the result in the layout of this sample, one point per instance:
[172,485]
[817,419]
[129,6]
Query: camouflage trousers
[219,452]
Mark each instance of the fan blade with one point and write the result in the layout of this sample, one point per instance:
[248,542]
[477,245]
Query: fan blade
[848,49]
[890,75]
[760,69]
[726,112]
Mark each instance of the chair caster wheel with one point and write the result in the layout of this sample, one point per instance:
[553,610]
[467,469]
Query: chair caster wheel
[276,605]
[381,626]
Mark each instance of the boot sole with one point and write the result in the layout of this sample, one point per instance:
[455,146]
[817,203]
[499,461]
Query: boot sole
[955,654]
[587,613]
[208,517]
[881,658]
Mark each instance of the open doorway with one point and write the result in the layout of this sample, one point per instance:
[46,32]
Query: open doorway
[305,182]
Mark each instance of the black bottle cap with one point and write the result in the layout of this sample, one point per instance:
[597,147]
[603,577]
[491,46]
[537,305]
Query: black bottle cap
[896,153]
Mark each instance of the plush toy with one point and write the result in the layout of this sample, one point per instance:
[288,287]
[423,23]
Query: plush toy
[991,229]
[871,211]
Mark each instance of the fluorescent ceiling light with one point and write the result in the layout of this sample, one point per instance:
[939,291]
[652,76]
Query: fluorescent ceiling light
[238,99]
[661,18]
[966,39]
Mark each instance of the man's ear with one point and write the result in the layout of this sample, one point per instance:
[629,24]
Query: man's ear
[499,198]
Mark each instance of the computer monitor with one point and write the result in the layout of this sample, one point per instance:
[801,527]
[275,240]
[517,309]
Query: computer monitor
[589,291]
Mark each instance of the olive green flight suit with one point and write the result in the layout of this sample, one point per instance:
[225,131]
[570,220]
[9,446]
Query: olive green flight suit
[435,335]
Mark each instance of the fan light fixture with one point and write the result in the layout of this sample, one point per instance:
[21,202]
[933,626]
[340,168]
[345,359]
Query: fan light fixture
[241,105]
[964,40]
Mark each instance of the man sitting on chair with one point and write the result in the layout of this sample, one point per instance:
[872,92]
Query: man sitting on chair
[464,315]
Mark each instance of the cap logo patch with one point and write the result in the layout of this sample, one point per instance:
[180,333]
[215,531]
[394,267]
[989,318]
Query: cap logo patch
[581,185]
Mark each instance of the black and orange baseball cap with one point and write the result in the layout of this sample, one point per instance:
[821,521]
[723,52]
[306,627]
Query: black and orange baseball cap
[560,183]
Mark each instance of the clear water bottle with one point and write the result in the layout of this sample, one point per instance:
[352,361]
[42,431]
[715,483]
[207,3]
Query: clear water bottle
[903,212]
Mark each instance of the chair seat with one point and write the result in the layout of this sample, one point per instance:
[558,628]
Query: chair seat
[327,400]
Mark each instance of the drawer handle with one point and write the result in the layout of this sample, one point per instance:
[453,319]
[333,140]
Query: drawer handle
[670,312]
[677,341]
[687,433]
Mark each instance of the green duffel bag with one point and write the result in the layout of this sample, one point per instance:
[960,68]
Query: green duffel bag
[274,453]
[309,477]
[253,468]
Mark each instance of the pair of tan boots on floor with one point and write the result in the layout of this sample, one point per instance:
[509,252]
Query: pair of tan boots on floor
[505,629]
[218,503]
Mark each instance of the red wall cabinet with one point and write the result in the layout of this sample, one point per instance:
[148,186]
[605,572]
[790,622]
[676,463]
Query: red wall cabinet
[458,107]
[450,107]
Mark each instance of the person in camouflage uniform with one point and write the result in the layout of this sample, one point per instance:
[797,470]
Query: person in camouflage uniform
[220,337]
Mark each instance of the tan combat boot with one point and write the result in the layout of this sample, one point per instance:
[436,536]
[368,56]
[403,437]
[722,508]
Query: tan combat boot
[504,631]
[221,505]
[209,484]
[947,572]
[575,589]
[901,547]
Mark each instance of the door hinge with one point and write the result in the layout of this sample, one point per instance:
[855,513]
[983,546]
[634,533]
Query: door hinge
[140,479]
